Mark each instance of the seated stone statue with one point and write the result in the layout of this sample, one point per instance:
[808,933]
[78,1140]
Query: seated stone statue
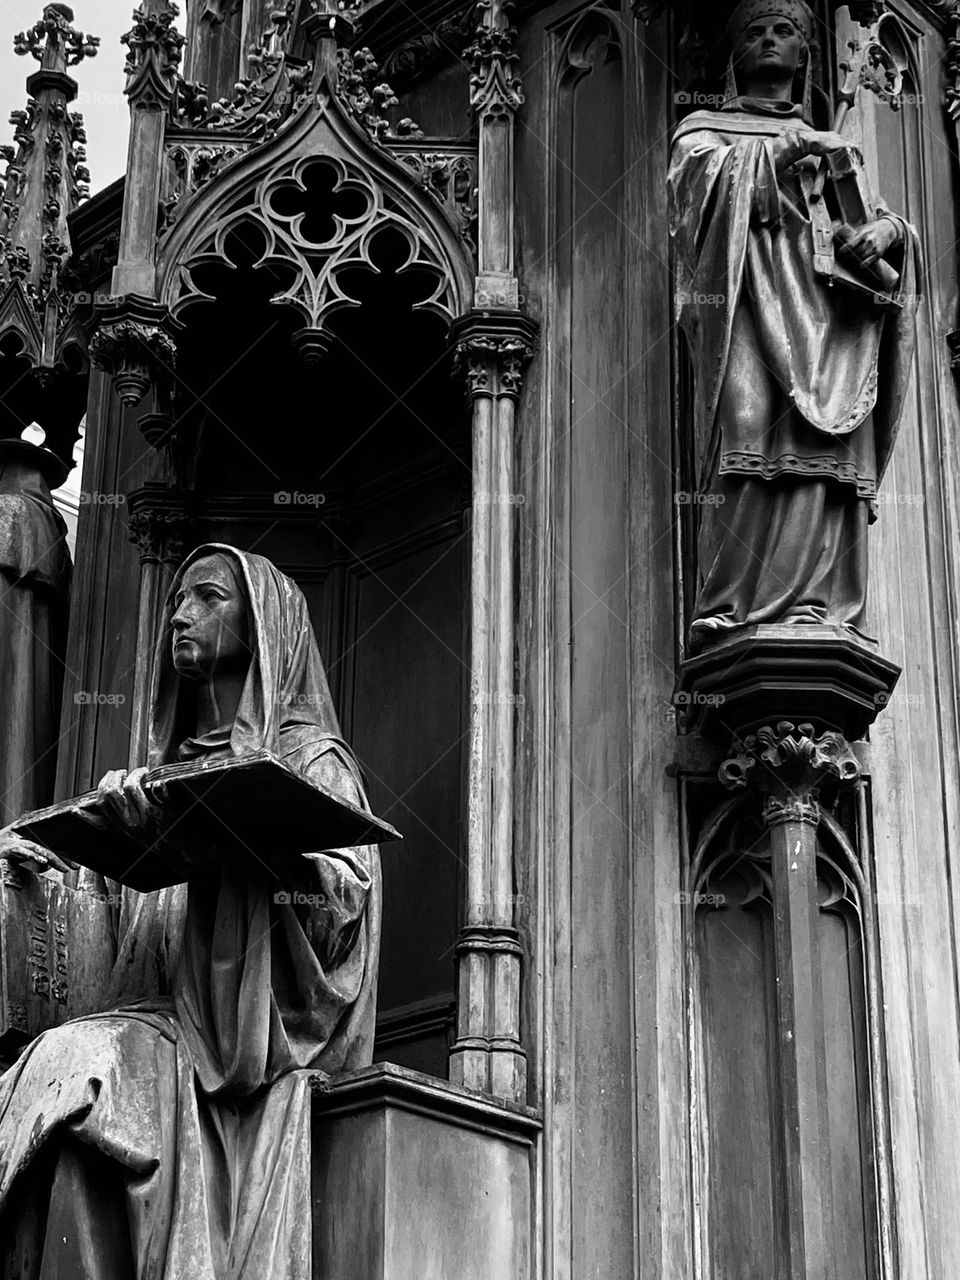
[168,1136]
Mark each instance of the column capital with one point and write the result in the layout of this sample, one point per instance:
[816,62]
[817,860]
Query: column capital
[133,344]
[790,768]
[159,524]
[492,350]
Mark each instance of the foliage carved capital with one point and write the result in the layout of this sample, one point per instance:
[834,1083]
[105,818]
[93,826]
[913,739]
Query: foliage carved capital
[492,353]
[790,768]
[133,346]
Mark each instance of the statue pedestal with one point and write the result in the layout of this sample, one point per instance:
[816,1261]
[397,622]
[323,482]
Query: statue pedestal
[820,674]
[413,1176]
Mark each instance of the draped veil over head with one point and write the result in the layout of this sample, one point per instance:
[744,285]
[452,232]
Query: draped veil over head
[286,684]
[178,1118]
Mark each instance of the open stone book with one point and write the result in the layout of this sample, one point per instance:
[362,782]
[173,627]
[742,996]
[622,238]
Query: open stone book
[262,803]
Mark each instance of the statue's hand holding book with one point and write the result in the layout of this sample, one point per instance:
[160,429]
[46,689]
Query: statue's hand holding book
[130,804]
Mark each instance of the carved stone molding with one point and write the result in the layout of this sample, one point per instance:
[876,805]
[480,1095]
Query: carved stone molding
[260,102]
[491,351]
[791,768]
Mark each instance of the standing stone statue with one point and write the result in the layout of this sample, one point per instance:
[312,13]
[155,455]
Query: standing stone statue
[169,1135]
[34,596]
[799,386]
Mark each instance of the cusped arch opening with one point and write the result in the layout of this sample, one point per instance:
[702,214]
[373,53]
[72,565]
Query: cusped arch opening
[377,393]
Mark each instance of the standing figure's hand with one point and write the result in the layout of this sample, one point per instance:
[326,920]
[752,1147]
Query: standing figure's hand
[874,240]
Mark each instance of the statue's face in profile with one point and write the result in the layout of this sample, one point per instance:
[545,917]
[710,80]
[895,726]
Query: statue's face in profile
[210,625]
[771,49]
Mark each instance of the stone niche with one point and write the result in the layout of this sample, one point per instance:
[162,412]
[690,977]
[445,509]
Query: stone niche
[413,1176]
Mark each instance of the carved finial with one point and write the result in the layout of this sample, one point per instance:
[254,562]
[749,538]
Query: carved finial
[54,42]
[154,50]
[495,87]
[46,177]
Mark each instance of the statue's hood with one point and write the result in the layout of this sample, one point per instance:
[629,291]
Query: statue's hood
[286,684]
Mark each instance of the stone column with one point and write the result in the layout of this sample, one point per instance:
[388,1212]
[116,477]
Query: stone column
[492,345]
[158,526]
[788,767]
[487,1055]
[132,342]
[154,47]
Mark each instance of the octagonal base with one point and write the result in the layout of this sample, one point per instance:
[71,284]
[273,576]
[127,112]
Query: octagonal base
[818,674]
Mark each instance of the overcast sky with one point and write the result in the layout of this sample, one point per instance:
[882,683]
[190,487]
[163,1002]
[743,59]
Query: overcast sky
[101,79]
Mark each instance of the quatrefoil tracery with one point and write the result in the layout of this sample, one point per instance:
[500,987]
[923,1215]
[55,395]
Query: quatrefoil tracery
[319,220]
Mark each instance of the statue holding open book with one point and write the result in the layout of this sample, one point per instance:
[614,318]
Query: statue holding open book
[169,1134]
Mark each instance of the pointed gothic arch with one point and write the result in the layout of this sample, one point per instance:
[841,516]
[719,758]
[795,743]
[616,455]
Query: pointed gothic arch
[245,191]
